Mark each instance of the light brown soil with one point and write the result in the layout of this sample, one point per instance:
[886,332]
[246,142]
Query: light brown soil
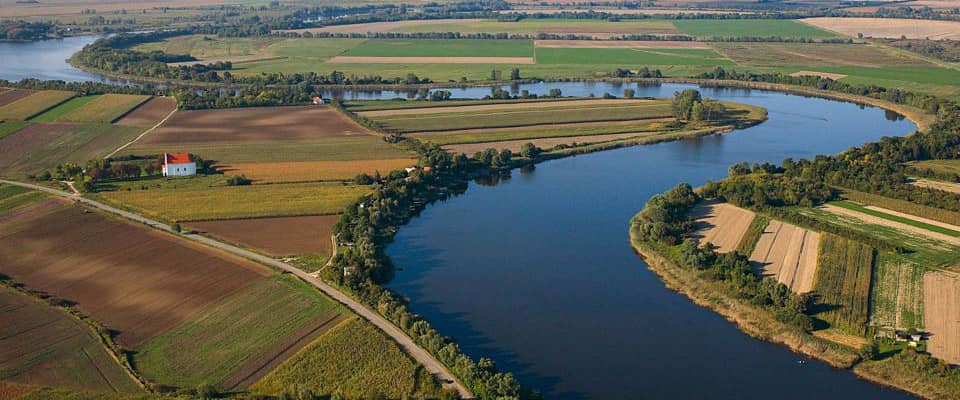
[14,148]
[381,26]
[261,366]
[630,44]
[870,219]
[933,3]
[547,143]
[939,185]
[282,236]
[311,171]
[149,113]
[788,253]
[255,124]
[11,95]
[42,345]
[134,280]
[721,224]
[941,308]
[10,8]
[851,341]
[889,27]
[820,74]
[431,60]
[915,218]
[496,107]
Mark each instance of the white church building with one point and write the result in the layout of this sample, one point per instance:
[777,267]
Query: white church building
[178,164]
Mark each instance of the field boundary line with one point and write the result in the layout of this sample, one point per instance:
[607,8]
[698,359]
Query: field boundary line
[409,346]
[145,100]
[142,134]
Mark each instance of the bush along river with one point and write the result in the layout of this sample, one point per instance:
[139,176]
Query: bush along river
[537,272]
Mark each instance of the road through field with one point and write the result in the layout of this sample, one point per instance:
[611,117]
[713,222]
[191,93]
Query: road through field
[434,366]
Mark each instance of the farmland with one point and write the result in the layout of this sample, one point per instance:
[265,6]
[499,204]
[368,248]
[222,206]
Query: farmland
[8,96]
[896,295]
[102,109]
[816,54]
[843,282]
[149,113]
[789,254]
[938,215]
[635,56]
[225,202]
[35,103]
[115,277]
[909,223]
[41,146]
[889,28]
[941,301]
[42,345]
[283,236]
[313,171]
[442,48]
[236,337]
[13,197]
[945,167]
[750,27]
[354,359]
[722,225]
[939,185]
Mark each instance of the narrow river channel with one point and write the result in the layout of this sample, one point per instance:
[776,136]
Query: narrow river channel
[537,273]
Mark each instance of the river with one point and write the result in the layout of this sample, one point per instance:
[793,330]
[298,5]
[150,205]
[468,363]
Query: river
[537,272]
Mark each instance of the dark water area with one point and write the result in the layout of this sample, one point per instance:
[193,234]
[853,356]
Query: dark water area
[537,273]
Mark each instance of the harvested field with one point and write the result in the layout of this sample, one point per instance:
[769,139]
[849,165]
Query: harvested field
[939,185]
[15,148]
[889,27]
[40,147]
[788,253]
[43,345]
[254,124]
[284,236]
[941,300]
[35,103]
[843,281]
[494,107]
[721,224]
[548,143]
[312,171]
[236,337]
[888,222]
[382,26]
[615,44]
[826,75]
[230,202]
[134,280]
[749,27]
[149,113]
[63,7]
[431,60]
[11,95]
[810,55]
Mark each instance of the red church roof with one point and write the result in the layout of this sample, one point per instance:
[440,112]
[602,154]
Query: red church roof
[177,158]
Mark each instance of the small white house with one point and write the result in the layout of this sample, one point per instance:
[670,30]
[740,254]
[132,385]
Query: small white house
[178,164]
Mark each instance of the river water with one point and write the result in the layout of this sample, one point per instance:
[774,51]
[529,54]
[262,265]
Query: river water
[537,273]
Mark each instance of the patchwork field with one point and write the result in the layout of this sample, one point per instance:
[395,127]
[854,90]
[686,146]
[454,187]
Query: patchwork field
[442,48]
[629,57]
[36,103]
[136,281]
[14,197]
[816,54]
[721,224]
[284,236]
[750,27]
[313,171]
[888,27]
[8,96]
[149,113]
[235,340]
[896,295]
[616,44]
[42,345]
[789,254]
[904,222]
[354,359]
[897,207]
[941,300]
[939,185]
[103,109]
[228,202]
[597,28]
[843,282]
[41,146]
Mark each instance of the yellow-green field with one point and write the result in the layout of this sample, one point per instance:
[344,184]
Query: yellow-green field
[34,104]
[93,109]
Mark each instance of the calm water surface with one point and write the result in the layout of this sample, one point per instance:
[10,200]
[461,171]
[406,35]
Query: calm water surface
[537,272]
[44,59]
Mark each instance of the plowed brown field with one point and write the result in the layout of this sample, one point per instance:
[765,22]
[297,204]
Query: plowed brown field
[941,306]
[722,224]
[15,148]
[149,113]
[133,280]
[11,95]
[275,236]
[788,253]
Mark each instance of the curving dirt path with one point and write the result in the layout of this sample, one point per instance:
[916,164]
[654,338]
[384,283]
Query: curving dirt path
[434,366]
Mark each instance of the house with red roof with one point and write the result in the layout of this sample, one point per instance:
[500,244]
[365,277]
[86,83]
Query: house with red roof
[178,164]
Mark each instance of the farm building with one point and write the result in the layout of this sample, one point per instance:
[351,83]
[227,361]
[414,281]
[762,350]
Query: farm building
[178,164]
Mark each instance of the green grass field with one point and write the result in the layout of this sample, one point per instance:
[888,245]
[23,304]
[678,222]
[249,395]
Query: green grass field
[442,48]
[907,207]
[895,218]
[896,295]
[631,57]
[67,107]
[238,329]
[8,128]
[34,104]
[226,202]
[13,197]
[356,360]
[552,25]
[750,27]
[945,167]
[843,282]
[105,109]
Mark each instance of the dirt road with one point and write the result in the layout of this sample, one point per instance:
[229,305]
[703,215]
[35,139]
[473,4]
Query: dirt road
[433,365]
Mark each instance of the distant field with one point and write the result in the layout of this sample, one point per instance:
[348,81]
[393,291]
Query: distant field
[42,146]
[750,27]
[8,96]
[816,55]
[34,104]
[312,171]
[354,359]
[238,335]
[134,280]
[721,224]
[67,107]
[210,46]
[283,236]
[630,57]
[150,113]
[896,295]
[945,167]
[46,346]
[889,27]
[442,48]
[843,281]
[93,109]
[239,201]
[598,28]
